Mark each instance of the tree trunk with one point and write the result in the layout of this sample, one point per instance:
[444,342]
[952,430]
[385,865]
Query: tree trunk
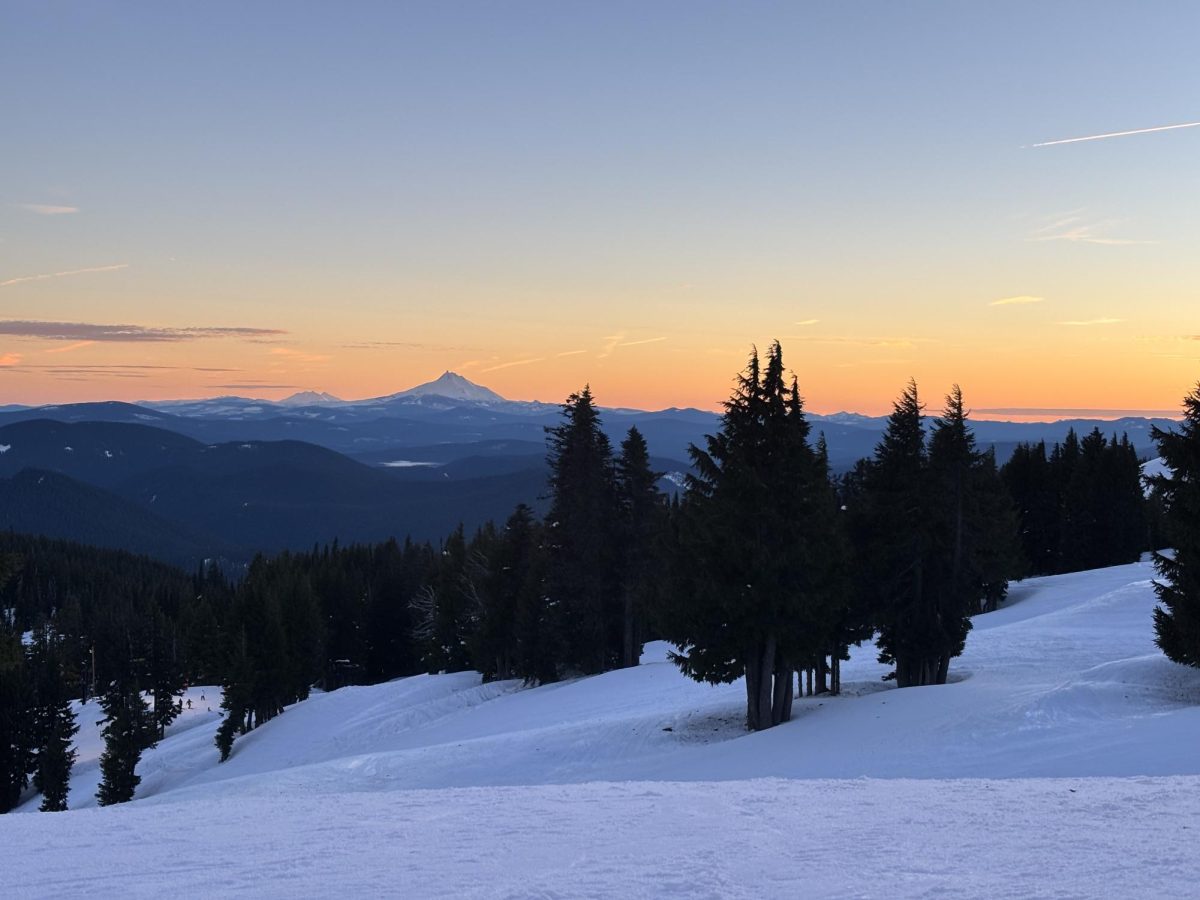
[753,677]
[943,669]
[822,675]
[781,710]
[765,693]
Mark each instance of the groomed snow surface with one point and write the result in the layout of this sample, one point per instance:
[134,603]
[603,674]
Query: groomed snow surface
[1063,760]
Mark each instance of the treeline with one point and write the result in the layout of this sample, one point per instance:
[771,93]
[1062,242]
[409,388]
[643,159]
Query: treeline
[766,566]
[1082,505]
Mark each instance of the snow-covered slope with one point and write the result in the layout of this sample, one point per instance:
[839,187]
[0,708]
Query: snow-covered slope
[1064,682]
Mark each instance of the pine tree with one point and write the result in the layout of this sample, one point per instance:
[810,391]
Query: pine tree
[581,539]
[1030,482]
[898,544]
[125,726]
[509,587]
[54,721]
[640,514]
[17,738]
[943,540]
[1177,618]
[236,697]
[166,675]
[755,596]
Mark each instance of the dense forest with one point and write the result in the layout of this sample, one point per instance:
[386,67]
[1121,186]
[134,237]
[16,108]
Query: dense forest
[767,565]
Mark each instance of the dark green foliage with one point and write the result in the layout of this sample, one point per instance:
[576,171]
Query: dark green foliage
[1080,507]
[941,542]
[126,725]
[758,556]
[510,590]
[54,721]
[1177,618]
[18,740]
[581,539]
[641,510]
[165,674]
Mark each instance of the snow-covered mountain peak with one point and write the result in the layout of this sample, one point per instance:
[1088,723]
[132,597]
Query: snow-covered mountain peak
[310,398]
[455,387]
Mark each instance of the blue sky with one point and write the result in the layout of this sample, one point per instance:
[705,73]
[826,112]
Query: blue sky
[493,183]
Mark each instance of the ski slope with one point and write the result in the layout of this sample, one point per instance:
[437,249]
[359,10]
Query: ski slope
[1063,759]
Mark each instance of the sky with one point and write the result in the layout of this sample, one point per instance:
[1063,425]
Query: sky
[254,199]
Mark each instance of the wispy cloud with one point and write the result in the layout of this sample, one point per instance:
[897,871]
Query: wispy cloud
[46,209]
[515,362]
[1085,322]
[807,322]
[1116,134]
[1022,300]
[21,279]
[611,342]
[10,359]
[67,349]
[1078,230]
[569,353]
[87,331]
[653,340]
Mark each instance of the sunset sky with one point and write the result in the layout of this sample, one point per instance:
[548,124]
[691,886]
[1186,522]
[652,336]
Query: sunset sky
[253,199]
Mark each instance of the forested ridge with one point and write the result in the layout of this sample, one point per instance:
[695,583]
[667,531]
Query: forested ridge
[767,567]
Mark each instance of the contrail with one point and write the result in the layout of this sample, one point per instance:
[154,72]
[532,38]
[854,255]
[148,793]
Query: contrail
[1112,134]
[25,278]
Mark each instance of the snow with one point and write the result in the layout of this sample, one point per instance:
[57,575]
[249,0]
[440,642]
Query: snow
[4,448]
[408,464]
[1152,469]
[1060,761]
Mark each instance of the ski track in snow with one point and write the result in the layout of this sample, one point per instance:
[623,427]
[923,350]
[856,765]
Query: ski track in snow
[1062,761]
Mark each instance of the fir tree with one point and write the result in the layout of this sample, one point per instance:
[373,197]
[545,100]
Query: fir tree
[1177,618]
[54,721]
[17,738]
[897,544]
[166,675]
[640,512]
[756,596]
[511,585]
[944,538]
[581,538]
[125,726]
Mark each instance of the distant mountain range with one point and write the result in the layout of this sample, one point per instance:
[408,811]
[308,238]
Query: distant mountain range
[227,476]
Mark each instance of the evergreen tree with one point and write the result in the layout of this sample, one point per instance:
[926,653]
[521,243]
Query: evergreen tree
[640,511]
[165,675]
[1177,618]
[757,594]
[510,585]
[18,741]
[581,539]
[899,543]
[236,697]
[1030,482]
[125,725]
[945,538]
[54,721]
